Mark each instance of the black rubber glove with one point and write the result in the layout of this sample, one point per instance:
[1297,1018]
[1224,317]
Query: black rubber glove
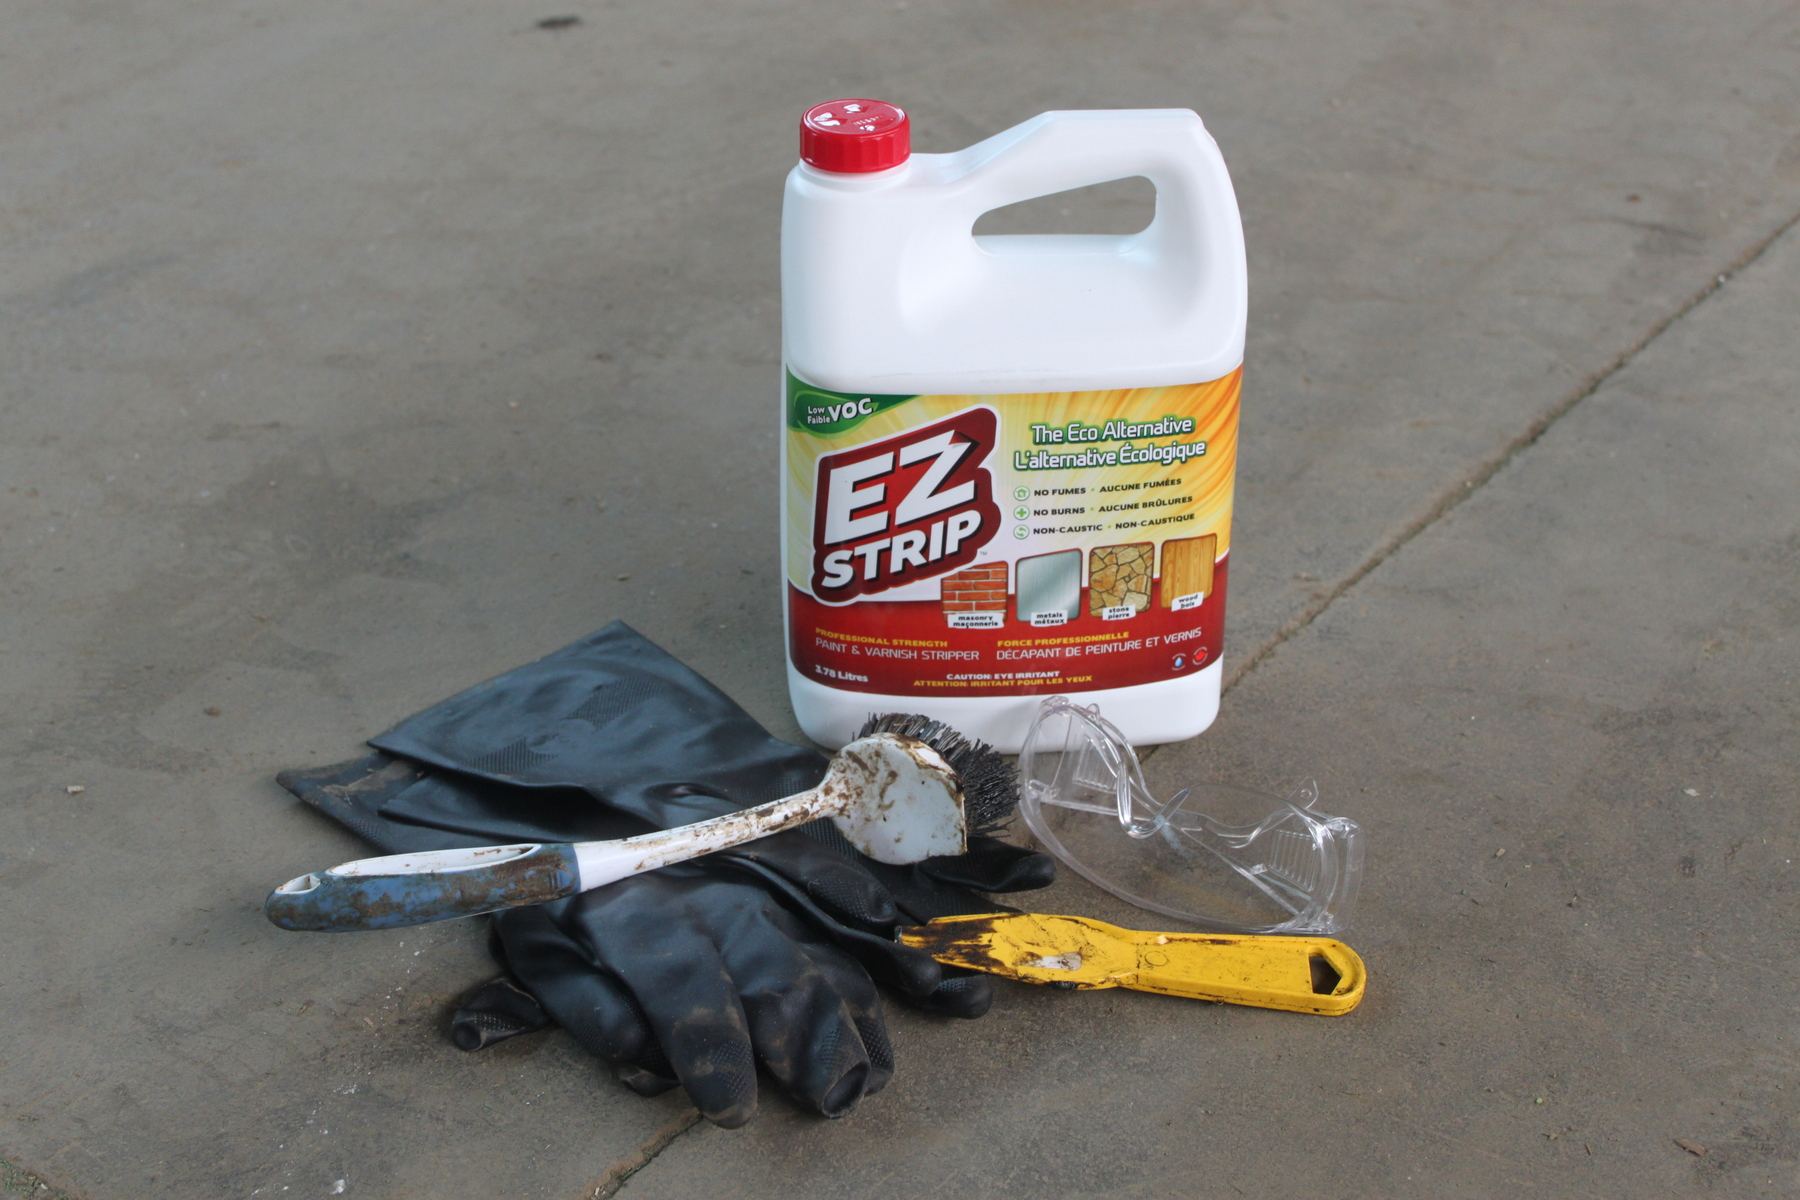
[617,717]
[692,973]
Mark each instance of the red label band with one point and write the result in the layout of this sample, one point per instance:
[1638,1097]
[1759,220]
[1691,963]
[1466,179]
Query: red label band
[915,647]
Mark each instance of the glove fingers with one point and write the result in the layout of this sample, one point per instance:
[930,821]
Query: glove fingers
[497,1010]
[644,1083]
[992,865]
[687,995]
[862,1000]
[808,1040]
[577,991]
[959,994]
[911,972]
[820,862]
[908,971]
[820,1032]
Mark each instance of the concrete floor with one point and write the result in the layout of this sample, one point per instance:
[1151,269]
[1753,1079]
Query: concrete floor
[337,345]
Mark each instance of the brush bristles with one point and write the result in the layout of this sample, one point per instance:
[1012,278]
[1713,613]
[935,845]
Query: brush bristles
[990,784]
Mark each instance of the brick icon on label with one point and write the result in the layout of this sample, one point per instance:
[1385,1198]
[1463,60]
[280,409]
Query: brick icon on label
[976,589]
[1187,568]
[1119,577]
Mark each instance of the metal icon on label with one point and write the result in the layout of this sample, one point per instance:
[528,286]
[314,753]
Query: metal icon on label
[1049,588]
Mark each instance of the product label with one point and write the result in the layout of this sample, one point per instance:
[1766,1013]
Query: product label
[1021,544]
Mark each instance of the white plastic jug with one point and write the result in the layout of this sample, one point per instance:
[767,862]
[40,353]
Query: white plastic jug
[1007,461]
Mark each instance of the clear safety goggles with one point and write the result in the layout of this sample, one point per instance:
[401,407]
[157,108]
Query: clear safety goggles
[1216,855]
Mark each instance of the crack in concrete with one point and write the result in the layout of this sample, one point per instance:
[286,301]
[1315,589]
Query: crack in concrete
[1446,503]
[1485,470]
[617,1175]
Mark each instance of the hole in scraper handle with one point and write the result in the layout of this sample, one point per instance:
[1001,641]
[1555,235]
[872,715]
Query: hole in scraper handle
[1325,977]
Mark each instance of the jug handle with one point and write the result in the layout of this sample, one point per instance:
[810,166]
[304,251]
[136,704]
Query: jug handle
[1059,151]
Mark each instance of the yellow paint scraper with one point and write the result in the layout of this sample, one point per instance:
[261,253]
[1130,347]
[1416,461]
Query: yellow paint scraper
[1297,974]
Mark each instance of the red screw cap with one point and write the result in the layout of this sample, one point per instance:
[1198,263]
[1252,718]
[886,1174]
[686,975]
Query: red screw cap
[855,136]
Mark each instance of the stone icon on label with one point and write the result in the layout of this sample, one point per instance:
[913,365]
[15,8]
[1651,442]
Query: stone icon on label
[1119,579]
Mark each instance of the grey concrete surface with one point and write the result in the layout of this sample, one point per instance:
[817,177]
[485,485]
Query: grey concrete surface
[351,353]
[1568,714]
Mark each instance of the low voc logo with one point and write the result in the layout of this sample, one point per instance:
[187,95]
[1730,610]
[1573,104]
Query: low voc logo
[904,509]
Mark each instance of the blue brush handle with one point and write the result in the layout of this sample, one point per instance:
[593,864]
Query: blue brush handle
[413,889]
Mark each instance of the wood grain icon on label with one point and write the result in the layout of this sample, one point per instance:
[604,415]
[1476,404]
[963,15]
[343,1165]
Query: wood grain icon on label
[1119,577]
[1187,567]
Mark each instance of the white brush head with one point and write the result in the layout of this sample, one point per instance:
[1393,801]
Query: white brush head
[902,803]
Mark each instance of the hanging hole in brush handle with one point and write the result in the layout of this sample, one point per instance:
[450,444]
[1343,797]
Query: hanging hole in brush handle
[414,889]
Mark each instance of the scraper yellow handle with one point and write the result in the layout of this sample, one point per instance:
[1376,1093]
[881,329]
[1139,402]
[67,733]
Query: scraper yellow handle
[1296,974]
